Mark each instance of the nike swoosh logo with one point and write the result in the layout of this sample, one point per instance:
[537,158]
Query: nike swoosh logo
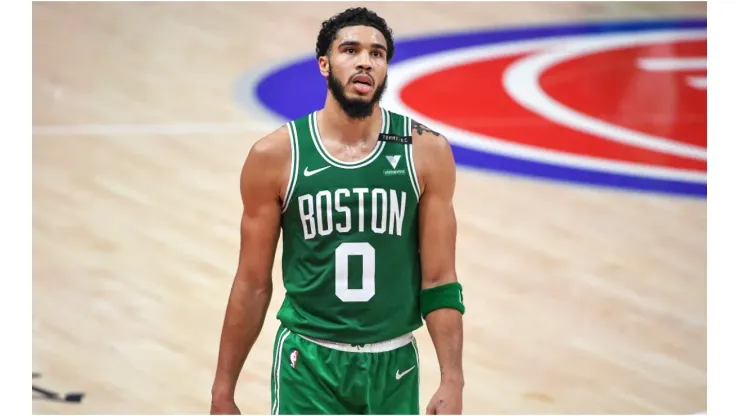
[307,172]
[399,375]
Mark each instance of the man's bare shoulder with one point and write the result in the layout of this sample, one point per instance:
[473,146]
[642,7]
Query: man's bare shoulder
[273,147]
[267,166]
[432,153]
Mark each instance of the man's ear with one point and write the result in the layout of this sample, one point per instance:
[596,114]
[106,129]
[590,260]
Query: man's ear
[324,66]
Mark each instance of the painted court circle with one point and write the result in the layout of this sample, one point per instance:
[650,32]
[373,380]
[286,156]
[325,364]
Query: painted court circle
[609,104]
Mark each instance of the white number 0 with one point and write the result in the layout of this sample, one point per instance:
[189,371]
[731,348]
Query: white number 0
[342,272]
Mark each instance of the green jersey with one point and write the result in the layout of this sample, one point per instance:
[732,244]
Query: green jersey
[351,265]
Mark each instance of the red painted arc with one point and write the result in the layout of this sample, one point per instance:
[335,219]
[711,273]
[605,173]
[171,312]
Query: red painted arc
[472,97]
[610,86]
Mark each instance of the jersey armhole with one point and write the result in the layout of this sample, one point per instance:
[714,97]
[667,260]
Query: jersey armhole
[294,159]
[409,150]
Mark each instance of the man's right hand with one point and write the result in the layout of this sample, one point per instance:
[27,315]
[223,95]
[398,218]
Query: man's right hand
[264,175]
[224,407]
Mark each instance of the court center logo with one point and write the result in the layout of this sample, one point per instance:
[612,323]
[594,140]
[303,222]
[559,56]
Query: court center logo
[620,104]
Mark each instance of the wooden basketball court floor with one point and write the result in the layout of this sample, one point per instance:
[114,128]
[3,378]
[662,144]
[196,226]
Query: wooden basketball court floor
[581,300]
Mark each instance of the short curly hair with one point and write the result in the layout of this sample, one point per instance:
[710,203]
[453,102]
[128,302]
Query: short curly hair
[355,16]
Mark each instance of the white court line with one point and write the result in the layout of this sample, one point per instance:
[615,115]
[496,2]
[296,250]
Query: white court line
[700,83]
[678,64]
[171,129]
[673,64]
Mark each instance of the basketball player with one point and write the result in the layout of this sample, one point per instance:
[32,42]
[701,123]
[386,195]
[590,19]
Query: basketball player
[364,200]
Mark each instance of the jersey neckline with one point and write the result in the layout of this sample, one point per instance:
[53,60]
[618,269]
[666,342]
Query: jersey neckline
[318,143]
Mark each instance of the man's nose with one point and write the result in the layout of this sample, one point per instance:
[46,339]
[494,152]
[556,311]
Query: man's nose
[364,62]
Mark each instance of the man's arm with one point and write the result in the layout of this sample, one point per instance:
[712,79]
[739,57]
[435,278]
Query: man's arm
[251,291]
[438,233]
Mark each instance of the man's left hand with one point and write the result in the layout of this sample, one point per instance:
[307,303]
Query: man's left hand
[447,400]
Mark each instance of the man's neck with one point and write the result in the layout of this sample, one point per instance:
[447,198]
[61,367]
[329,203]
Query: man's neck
[334,123]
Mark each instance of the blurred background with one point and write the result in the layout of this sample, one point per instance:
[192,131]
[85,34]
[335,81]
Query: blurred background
[580,134]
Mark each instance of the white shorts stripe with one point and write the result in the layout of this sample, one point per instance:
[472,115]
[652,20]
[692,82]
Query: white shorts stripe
[418,371]
[276,370]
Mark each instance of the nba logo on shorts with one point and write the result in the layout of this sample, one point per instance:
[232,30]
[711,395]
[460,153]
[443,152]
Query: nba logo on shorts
[293,358]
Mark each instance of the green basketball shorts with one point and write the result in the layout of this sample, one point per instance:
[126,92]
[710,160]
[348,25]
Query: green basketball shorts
[320,377]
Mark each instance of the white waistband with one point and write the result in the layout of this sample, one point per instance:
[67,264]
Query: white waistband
[382,346]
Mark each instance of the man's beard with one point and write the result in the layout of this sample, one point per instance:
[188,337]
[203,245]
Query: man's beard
[356,108]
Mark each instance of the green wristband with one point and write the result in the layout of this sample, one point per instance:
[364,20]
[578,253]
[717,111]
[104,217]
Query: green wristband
[448,295]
